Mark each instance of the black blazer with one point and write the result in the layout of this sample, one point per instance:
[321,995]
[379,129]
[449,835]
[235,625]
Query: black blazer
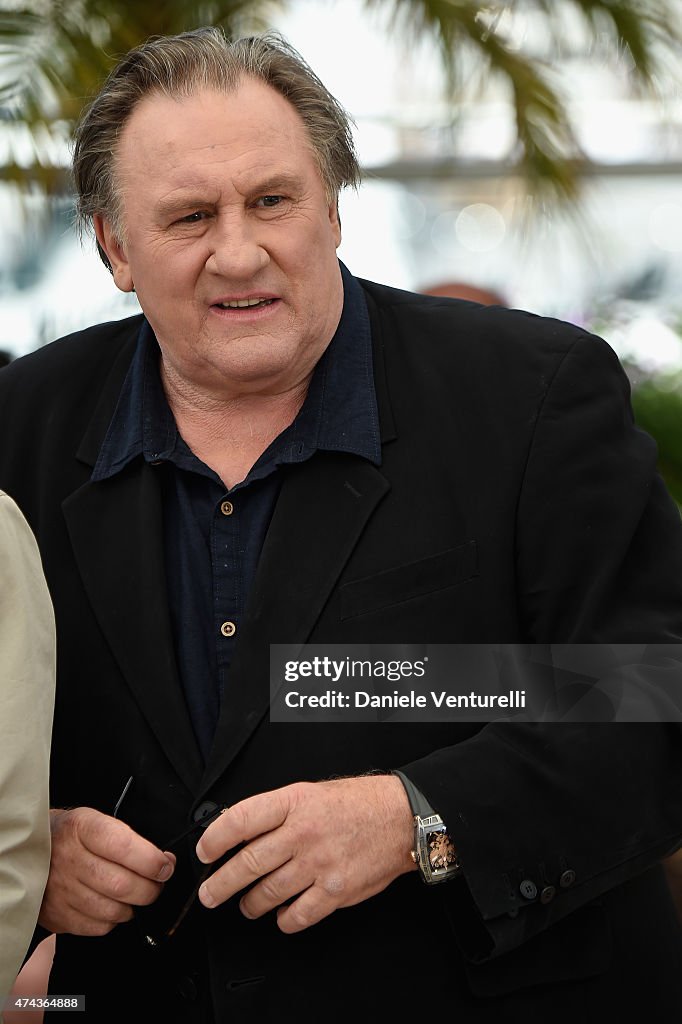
[516,502]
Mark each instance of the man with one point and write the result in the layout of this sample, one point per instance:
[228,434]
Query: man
[276,452]
[27,677]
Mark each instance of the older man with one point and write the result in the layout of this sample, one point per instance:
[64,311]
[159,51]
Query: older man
[277,452]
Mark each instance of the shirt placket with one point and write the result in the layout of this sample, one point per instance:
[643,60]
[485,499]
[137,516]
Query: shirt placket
[227,579]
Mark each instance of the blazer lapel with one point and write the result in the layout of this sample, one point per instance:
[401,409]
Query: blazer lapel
[115,531]
[322,510]
[115,527]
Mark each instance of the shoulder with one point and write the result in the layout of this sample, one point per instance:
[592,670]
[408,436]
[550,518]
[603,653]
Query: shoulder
[59,385]
[509,348]
[49,398]
[463,322]
[76,356]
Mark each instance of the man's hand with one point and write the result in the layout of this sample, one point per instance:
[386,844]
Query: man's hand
[99,870]
[331,844]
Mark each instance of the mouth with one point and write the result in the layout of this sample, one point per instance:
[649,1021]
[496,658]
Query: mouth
[253,303]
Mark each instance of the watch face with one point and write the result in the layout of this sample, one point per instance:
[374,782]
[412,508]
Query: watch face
[442,853]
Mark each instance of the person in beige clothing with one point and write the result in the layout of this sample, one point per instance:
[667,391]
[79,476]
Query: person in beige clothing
[27,682]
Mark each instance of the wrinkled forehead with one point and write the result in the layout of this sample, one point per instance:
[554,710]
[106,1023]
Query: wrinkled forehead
[229,130]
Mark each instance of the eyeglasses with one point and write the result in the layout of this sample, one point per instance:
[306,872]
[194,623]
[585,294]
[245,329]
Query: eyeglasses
[198,826]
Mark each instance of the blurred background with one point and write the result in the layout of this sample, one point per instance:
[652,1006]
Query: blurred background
[527,152]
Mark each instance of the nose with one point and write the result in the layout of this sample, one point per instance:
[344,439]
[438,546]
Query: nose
[235,252]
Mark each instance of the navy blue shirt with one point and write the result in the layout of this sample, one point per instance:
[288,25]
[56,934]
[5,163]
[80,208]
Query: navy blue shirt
[213,537]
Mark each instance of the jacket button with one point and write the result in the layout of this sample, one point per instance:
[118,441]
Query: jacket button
[528,889]
[204,810]
[568,878]
[547,894]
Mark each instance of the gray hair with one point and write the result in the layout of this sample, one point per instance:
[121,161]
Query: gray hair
[181,65]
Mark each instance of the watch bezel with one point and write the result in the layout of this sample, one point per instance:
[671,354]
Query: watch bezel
[425,829]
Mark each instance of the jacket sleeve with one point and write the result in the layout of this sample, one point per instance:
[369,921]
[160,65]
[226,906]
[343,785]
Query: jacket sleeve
[549,816]
[27,682]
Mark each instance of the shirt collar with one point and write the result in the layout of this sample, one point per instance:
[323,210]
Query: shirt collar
[339,412]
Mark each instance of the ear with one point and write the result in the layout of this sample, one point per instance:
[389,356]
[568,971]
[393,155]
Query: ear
[116,254]
[335,221]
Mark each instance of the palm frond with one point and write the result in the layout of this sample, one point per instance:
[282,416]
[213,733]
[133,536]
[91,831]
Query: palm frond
[40,178]
[547,151]
[647,30]
[56,53]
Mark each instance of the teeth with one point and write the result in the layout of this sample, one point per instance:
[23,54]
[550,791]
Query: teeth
[243,303]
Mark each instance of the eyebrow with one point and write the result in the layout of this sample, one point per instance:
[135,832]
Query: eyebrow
[267,186]
[167,206]
[285,180]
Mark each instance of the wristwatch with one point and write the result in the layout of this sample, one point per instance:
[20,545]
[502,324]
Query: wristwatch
[434,852]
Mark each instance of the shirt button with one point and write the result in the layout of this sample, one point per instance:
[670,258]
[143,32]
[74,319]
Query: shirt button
[228,629]
[568,878]
[227,508]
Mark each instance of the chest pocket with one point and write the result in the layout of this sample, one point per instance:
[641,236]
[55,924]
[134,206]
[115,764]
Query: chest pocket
[413,579]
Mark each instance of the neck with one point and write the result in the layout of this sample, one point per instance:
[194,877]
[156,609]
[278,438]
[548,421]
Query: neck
[230,435]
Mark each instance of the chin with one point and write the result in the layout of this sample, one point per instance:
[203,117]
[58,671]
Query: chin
[252,375]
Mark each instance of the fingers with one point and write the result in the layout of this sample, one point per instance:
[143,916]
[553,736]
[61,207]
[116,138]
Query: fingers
[320,896]
[315,901]
[274,890]
[117,883]
[116,842]
[310,908]
[89,913]
[261,857]
[126,886]
[245,820]
[99,870]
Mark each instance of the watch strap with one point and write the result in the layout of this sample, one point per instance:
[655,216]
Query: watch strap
[434,852]
[419,805]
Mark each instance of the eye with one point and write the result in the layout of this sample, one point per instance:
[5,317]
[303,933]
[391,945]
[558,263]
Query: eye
[269,201]
[192,218]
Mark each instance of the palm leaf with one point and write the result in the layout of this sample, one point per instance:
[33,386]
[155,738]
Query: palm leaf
[55,55]
[548,153]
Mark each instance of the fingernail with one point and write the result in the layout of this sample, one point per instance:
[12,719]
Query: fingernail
[245,912]
[205,897]
[165,872]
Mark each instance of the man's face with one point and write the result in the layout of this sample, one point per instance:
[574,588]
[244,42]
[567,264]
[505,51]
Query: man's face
[230,241]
